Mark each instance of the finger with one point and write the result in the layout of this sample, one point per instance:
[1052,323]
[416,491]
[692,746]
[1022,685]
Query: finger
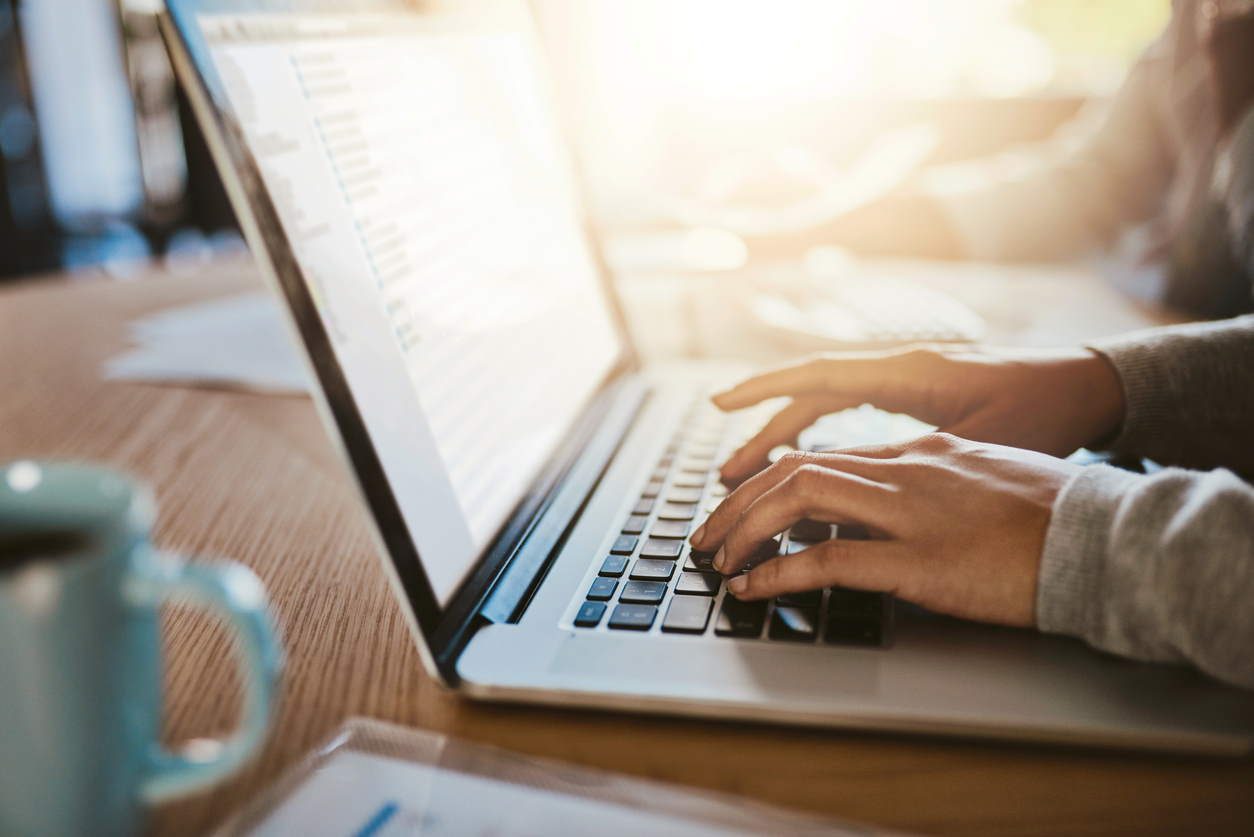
[886,451]
[903,381]
[783,428]
[862,565]
[716,526]
[880,467]
[858,377]
[796,379]
[855,376]
[711,533]
[813,492]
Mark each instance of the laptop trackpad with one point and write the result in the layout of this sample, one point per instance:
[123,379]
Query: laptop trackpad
[719,668]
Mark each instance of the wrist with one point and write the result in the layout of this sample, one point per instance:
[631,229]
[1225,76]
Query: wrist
[1085,397]
[1101,393]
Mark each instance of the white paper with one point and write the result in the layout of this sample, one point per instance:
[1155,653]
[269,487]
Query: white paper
[238,342]
[368,795]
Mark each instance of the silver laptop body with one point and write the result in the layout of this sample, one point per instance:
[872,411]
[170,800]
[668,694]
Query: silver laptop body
[400,179]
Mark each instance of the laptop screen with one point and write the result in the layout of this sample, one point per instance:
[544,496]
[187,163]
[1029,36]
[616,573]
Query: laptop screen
[419,178]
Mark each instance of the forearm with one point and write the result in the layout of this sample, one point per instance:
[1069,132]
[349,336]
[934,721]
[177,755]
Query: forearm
[1189,394]
[1154,567]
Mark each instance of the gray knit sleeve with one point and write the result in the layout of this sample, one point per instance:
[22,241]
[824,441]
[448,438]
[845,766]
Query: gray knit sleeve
[1157,567]
[1189,392]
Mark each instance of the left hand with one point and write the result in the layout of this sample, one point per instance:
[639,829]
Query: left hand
[957,527]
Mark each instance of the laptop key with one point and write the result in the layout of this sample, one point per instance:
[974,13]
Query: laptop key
[614,565]
[810,531]
[806,598]
[662,548]
[635,524]
[763,552]
[633,617]
[842,631]
[652,489]
[684,495]
[652,569]
[643,506]
[794,624]
[855,604]
[698,560]
[699,584]
[643,592]
[589,615]
[740,619]
[678,511]
[602,589]
[670,529]
[688,480]
[687,615]
[852,532]
[624,545]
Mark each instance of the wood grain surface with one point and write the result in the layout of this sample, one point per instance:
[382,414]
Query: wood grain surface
[253,478]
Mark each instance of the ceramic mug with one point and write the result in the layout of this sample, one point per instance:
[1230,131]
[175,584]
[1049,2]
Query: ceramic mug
[80,654]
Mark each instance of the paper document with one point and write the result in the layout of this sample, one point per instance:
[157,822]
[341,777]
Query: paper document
[367,794]
[238,342]
[376,780]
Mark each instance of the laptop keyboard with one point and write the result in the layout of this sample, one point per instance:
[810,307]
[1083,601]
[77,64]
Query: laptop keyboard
[653,581]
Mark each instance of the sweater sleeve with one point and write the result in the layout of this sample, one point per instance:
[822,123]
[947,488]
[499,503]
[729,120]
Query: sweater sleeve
[1189,394]
[1189,389]
[1156,568]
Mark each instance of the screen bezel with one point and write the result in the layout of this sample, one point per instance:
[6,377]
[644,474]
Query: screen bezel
[259,217]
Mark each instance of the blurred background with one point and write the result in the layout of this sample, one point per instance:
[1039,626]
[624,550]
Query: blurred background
[668,101]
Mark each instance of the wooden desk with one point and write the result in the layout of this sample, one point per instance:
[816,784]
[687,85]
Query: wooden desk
[252,477]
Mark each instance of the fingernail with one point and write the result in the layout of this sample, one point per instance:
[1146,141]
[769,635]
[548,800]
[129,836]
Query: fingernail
[718,559]
[737,585]
[698,535]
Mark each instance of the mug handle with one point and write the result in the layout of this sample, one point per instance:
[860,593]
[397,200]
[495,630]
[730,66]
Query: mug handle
[233,592]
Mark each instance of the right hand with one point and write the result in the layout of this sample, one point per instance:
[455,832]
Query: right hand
[1051,401]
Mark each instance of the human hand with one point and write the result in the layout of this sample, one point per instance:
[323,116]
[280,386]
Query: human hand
[957,526]
[1051,401]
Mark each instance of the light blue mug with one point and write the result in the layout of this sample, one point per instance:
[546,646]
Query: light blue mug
[80,658]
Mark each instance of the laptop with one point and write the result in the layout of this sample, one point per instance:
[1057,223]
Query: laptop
[399,173]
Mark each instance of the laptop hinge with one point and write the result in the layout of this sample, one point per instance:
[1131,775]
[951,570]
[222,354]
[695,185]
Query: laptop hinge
[519,581]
